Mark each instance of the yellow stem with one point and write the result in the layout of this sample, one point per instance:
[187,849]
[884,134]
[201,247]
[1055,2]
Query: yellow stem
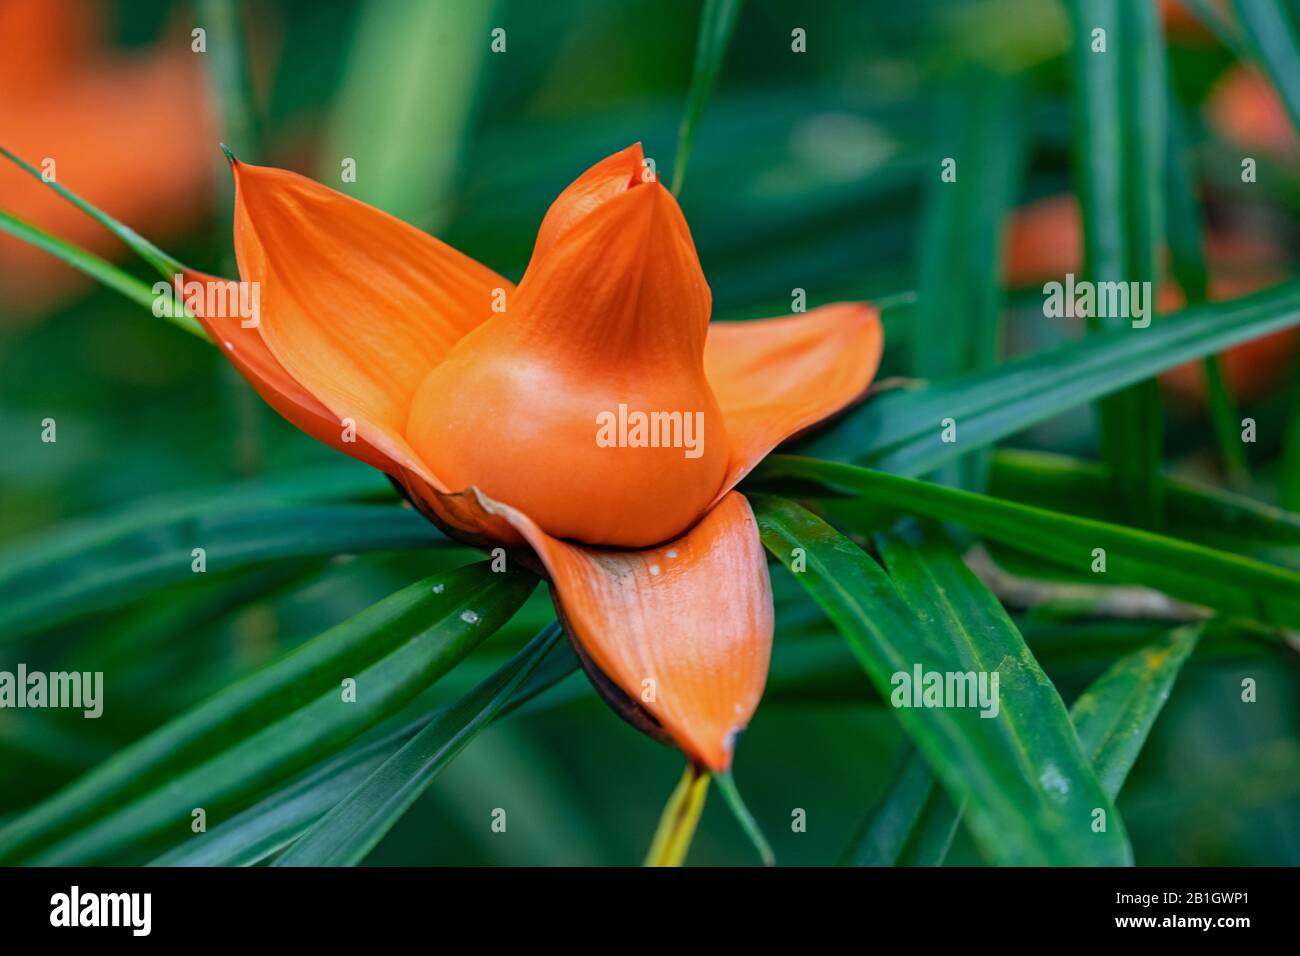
[681,813]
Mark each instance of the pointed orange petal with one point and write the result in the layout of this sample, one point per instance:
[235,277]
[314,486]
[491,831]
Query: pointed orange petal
[249,354]
[610,319]
[624,275]
[684,629]
[356,305]
[608,178]
[776,377]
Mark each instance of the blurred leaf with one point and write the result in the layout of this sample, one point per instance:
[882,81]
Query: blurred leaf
[961,244]
[886,829]
[717,23]
[228,71]
[1213,19]
[1271,33]
[351,829]
[407,103]
[222,754]
[1202,576]
[1120,139]
[1290,476]
[1186,230]
[278,820]
[1029,790]
[902,431]
[1218,519]
[111,563]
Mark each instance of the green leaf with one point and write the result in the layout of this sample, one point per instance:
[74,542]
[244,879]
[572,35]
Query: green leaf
[1271,33]
[102,271]
[272,824]
[1208,12]
[1289,479]
[351,829]
[915,823]
[902,431]
[226,751]
[1208,516]
[731,794]
[111,563]
[1187,264]
[886,829]
[961,243]
[227,63]
[165,265]
[424,62]
[1029,790]
[1204,576]
[1114,715]
[1120,138]
[717,23]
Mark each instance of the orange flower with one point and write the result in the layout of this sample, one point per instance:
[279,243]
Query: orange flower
[1245,109]
[65,97]
[509,415]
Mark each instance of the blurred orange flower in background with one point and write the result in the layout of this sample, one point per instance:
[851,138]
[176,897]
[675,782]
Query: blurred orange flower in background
[1245,110]
[1044,241]
[130,132]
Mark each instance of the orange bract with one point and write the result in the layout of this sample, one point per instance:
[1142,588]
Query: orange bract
[508,415]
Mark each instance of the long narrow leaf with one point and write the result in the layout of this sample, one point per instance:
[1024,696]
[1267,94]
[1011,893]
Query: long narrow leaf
[1118,78]
[717,23]
[903,431]
[1114,715]
[348,832]
[1024,807]
[961,244]
[1271,33]
[1205,576]
[102,271]
[1208,516]
[37,594]
[167,266]
[914,825]
[275,822]
[270,725]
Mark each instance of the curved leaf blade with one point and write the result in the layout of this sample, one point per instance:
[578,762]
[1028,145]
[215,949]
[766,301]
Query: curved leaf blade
[1203,576]
[717,23]
[278,820]
[1010,770]
[353,827]
[901,431]
[111,563]
[223,753]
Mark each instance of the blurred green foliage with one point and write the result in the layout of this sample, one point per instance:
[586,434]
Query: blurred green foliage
[807,171]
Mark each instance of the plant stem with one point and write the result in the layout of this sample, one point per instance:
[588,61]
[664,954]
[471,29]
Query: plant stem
[672,839]
[727,787]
